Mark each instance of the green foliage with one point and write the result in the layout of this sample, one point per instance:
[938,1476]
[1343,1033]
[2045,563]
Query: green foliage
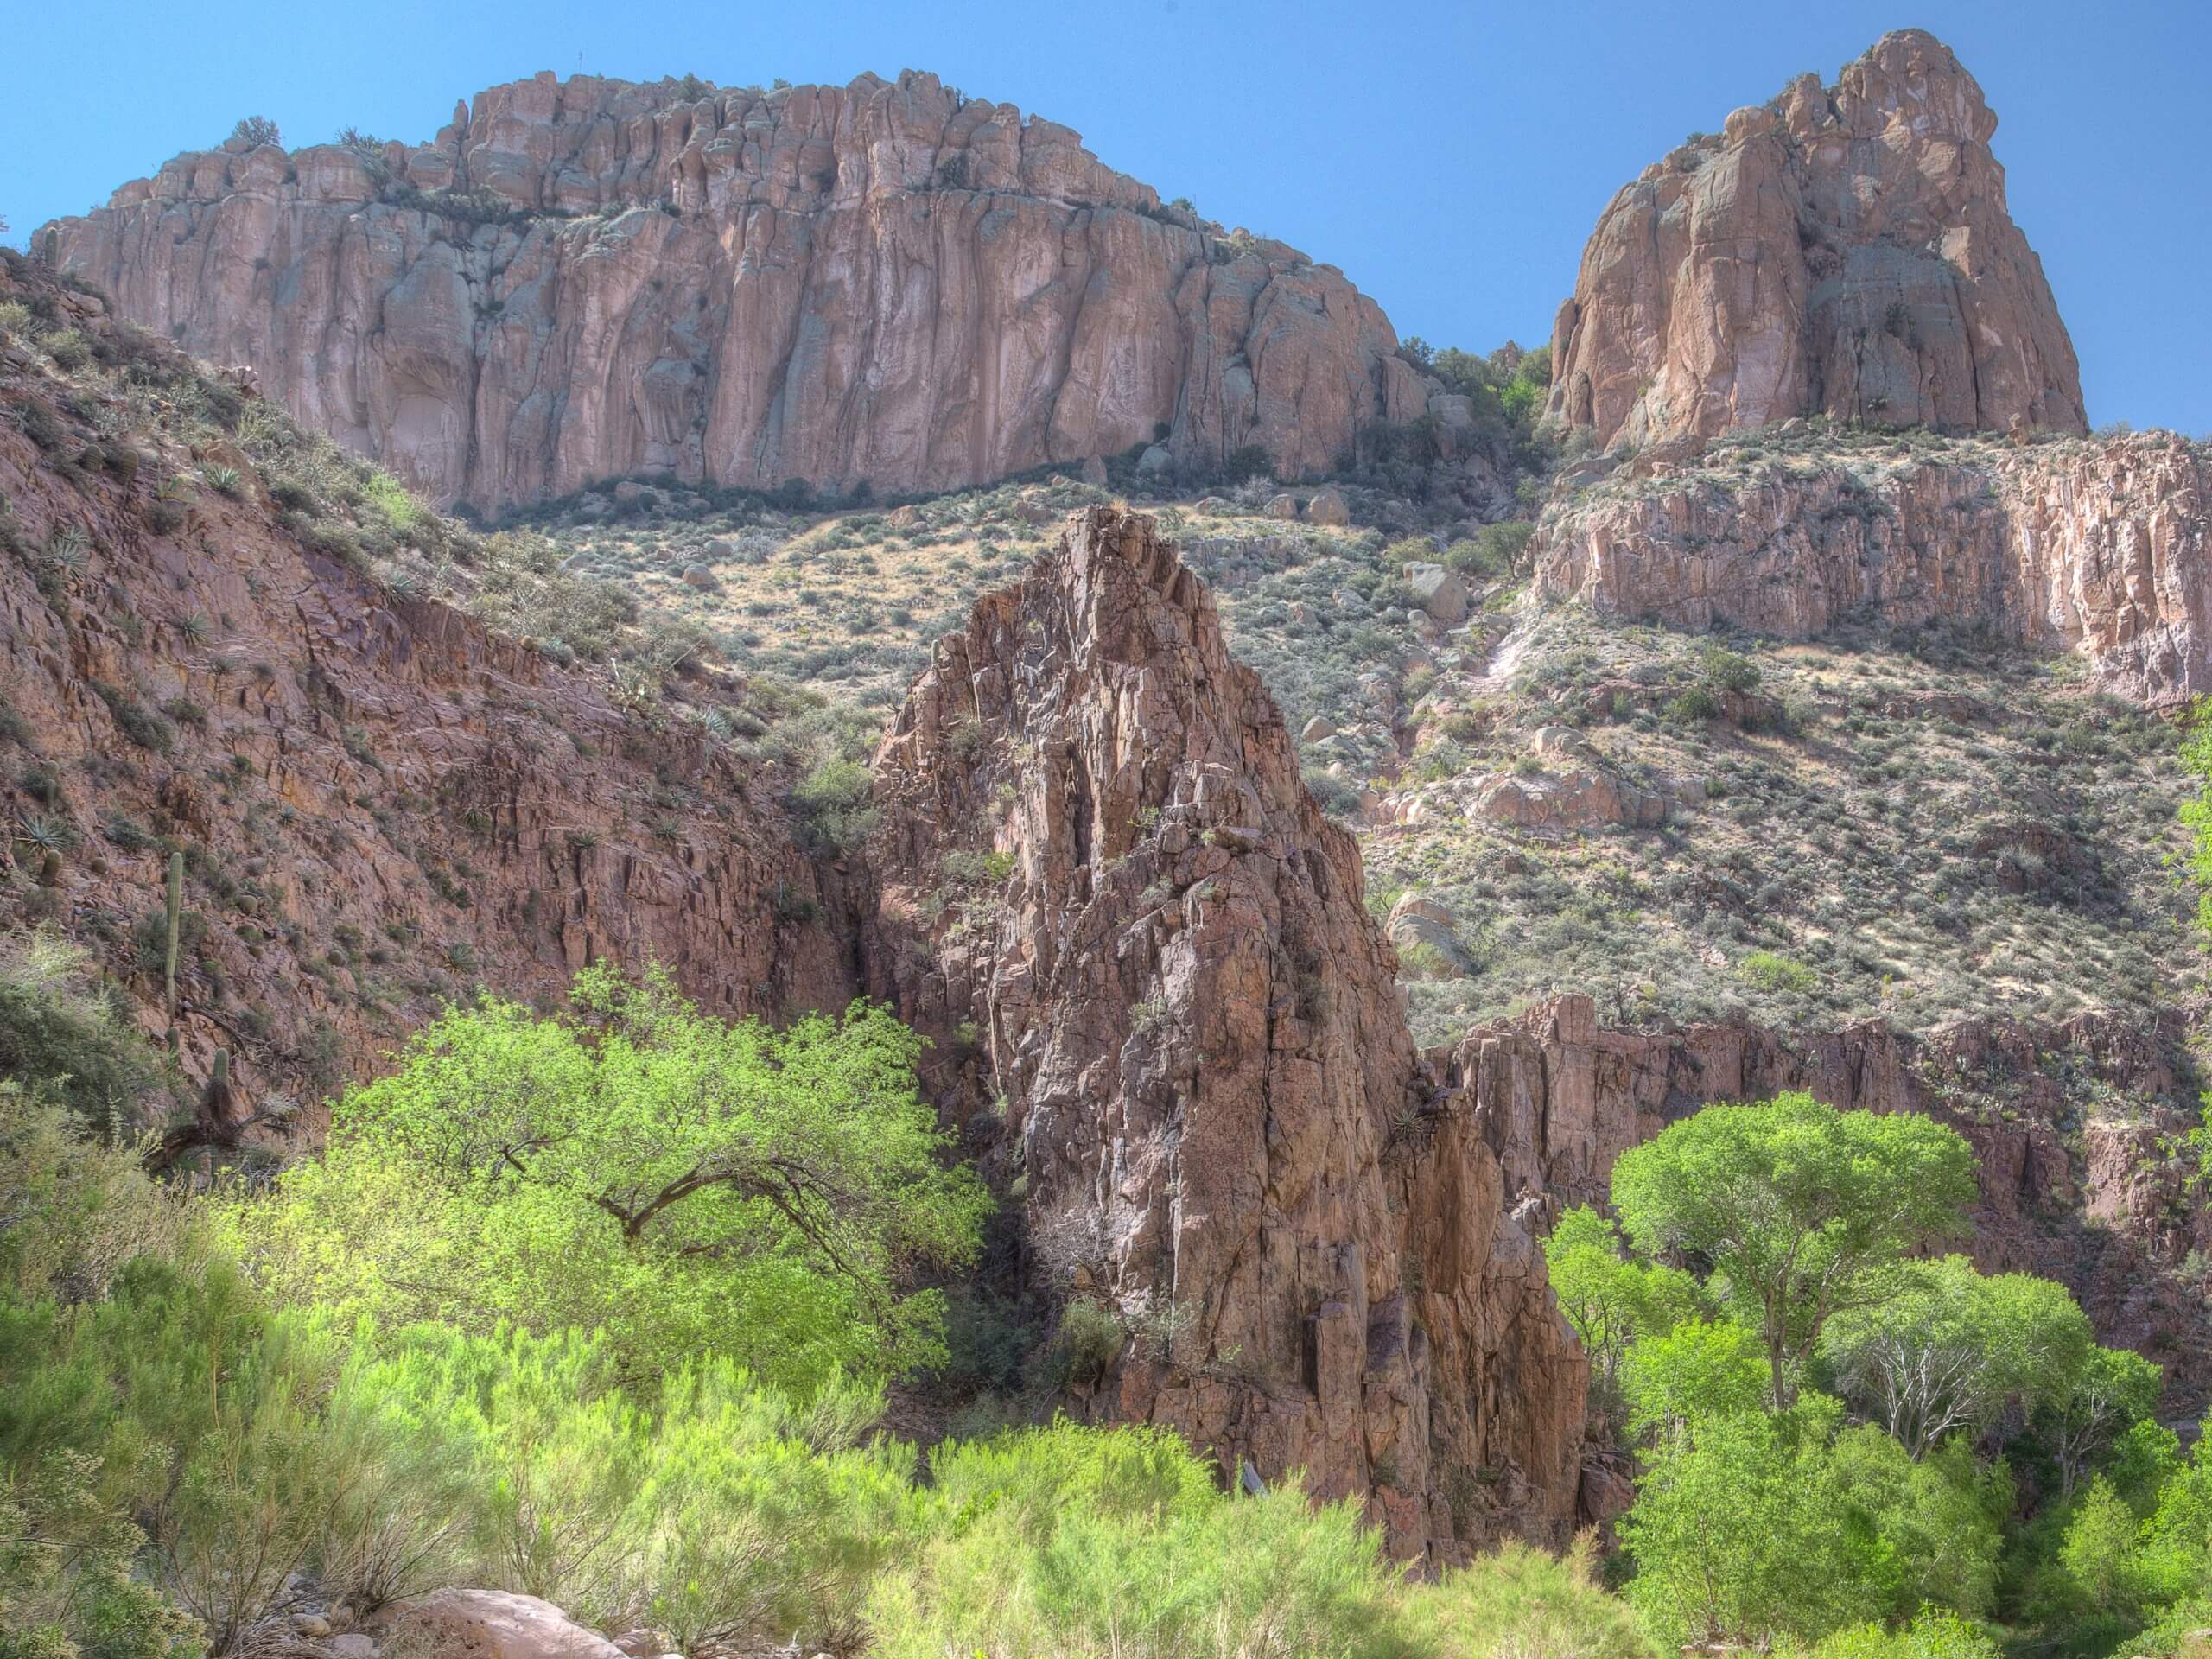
[1735,1538]
[688,1185]
[1953,1348]
[1518,1603]
[1610,1302]
[1801,1210]
[832,800]
[1078,1544]
[1771,971]
[65,1038]
[1935,1634]
[1699,1368]
[256,129]
[2113,1390]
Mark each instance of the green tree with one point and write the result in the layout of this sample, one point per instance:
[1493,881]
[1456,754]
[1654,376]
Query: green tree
[2113,1390]
[1801,1211]
[687,1184]
[2098,1552]
[1735,1538]
[1699,1369]
[1952,1348]
[1610,1301]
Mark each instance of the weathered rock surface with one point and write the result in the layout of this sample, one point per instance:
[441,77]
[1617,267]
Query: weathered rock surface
[1192,1023]
[2073,1185]
[2100,546]
[381,803]
[490,1624]
[1843,249]
[885,282]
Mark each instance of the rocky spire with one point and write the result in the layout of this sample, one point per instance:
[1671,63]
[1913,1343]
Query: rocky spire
[1843,251]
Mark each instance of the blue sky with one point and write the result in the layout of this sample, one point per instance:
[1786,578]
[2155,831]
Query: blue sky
[1451,158]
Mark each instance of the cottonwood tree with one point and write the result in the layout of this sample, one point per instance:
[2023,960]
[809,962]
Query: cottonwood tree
[685,1183]
[2113,1390]
[1952,1347]
[1799,1210]
[1609,1300]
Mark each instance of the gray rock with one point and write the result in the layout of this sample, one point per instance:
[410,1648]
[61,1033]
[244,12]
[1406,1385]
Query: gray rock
[1093,473]
[1281,506]
[1155,460]
[1438,591]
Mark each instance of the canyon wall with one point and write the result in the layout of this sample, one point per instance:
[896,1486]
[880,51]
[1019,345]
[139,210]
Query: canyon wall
[2102,548]
[1107,896]
[2067,1122]
[886,283]
[1842,250]
[381,804]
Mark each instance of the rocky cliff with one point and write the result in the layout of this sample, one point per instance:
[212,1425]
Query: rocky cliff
[2068,1122]
[885,283]
[2102,548]
[1106,894]
[379,803]
[1842,250]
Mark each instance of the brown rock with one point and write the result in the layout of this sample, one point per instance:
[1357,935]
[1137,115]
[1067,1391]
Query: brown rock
[458,804]
[1850,254]
[491,1625]
[1194,1025]
[2100,547]
[1284,505]
[1328,507]
[838,284]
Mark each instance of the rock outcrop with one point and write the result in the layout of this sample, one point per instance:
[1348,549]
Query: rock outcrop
[380,802]
[2102,548]
[1844,251]
[2067,1122]
[885,283]
[1108,896]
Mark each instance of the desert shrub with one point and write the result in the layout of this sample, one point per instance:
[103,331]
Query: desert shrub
[1075,1542]
[65,1038]
[1775,974]
[66,1584]
[832,801]
[73,1209]
[1517,1603]
[257,129]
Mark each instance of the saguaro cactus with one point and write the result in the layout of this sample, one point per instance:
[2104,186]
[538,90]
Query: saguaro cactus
[174,913]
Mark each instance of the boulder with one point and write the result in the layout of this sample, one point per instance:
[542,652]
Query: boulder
[491,1625]
[1155,461]
[1315,729]
[1328,507]
[1284,505]
[1438,591]
[1093,473]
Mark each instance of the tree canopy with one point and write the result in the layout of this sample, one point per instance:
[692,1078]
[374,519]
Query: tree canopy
[1801,1211]
[688,1184]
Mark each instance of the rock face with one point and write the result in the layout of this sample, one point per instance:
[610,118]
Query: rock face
[381,804]
[1106,893]
[1843,249]
[883,283]
[2066,1122]
[2103,548]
